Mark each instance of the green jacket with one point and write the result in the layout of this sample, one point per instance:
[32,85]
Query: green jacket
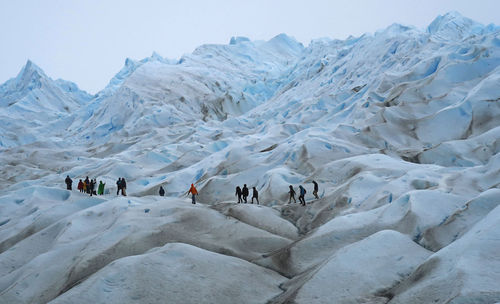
[100,190]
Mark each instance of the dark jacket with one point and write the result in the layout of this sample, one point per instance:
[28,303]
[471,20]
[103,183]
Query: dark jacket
[244,191]
[302,191]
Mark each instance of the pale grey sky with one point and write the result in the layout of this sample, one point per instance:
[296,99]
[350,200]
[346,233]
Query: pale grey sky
[87,41]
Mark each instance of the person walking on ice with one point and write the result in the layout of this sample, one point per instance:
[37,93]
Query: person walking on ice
[238,193]
[69,182]
[80,185]
[100,189]
[315,192]
[244,192]
[292,195]
[86,185]
[118,185]
[255,195]
[301,196]
[193,192]
[124,187]
[162,191]
[91,187]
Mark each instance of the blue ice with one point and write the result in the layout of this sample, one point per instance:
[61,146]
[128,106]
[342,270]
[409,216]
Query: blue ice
[199,174]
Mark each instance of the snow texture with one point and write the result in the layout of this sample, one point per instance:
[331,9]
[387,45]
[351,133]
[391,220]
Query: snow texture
[400,129]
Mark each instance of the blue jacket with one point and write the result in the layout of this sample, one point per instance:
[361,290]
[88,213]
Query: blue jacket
[302,190]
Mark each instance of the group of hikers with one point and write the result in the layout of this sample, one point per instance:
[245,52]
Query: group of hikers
[302,193]
[89,186]
[121,185]
[242,194]
[191,191]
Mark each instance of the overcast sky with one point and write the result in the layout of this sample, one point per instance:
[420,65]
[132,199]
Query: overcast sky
[88,41]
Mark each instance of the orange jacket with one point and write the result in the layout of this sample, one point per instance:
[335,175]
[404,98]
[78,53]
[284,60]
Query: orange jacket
[193,190]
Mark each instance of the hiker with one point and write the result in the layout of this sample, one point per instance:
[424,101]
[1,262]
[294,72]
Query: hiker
[80,185]
[87,185]
[292,195]
[100,190]
[69,182]
[255,195]
[123,186]
[118,185]
[238,193]
[95,186]
[162,191]
[301,196]
[244,192]
[315,192]
[194,192]
[91,188]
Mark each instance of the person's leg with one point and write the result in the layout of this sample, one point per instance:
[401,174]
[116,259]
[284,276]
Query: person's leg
[193,199]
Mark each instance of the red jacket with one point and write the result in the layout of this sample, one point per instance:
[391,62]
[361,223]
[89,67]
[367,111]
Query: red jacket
[193,190]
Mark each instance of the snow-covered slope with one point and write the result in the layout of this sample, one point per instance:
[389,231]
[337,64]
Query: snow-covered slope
[400,129]
[31,101]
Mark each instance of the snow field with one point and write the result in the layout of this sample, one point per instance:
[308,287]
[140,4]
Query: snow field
[399,128]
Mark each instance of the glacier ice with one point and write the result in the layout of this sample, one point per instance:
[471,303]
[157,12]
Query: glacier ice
[400,129]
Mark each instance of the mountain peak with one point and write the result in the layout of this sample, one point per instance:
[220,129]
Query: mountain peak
[285,42]
[395,29]
[285,39]
[238,39]
[30,68]
[453,25]
[29,75]
[156,56]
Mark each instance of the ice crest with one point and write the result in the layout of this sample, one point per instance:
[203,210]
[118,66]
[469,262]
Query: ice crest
[454,26]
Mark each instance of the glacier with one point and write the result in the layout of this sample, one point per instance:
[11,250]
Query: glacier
[400,128]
